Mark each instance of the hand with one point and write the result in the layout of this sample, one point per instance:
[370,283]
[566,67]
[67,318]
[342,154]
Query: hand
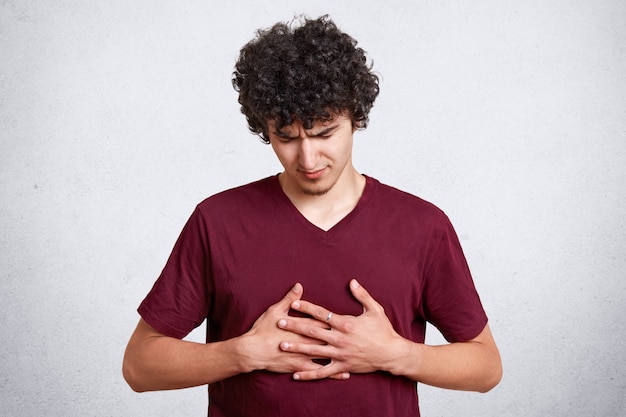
[260,345]
[355,344]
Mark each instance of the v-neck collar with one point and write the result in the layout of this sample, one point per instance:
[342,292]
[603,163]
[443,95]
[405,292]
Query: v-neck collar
[340,226]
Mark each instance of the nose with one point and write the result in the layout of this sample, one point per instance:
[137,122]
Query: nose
[307,154]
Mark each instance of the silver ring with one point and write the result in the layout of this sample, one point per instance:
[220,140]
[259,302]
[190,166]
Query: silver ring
[330,315]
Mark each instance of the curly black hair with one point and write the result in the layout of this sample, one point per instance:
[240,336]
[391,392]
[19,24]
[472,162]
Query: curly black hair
[310,73]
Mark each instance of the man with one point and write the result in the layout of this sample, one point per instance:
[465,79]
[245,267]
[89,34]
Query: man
[360,266]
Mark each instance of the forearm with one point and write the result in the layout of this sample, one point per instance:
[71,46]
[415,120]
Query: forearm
[154,361]
[468,366]
[161,363]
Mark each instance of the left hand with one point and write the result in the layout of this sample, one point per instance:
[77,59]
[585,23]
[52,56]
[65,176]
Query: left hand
[355,344]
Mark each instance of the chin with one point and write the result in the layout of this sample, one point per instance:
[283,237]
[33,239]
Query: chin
[315,188]
[315,192]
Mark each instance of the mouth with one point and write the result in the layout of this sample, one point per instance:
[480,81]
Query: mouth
[313,175]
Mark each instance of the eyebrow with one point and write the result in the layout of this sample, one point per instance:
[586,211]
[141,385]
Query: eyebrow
[322,132]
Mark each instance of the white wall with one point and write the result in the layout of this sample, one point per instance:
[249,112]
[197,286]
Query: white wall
[117,117]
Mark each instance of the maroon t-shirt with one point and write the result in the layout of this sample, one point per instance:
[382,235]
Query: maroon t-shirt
[244,248]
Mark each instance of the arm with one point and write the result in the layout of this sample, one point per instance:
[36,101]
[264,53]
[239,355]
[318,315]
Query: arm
[368,343]
[470,366]
[154,361]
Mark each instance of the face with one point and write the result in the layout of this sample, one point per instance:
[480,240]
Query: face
[315,159]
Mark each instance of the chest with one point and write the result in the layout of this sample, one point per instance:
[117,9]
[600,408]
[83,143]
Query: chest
[254,267]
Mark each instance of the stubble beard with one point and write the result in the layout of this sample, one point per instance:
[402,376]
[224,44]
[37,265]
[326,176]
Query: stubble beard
[316,191]
[316,188]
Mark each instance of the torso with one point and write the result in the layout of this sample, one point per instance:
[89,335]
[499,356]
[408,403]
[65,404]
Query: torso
[255,244]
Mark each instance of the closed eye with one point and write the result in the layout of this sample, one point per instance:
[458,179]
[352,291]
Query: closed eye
[283,137]
[326,133]
[322,134]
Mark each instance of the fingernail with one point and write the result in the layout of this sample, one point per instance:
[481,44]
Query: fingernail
[297,288]
[296,377]
[282,323]
[354,284]
[295,304]
[284,345]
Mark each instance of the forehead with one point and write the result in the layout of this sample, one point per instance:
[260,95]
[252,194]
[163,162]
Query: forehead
[316,125]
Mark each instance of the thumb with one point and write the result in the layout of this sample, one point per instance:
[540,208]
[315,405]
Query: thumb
[295,293]
[363,296]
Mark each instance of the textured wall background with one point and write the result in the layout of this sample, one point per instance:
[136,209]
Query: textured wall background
[117,117]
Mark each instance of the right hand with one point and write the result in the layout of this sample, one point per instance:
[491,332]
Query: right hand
[260,346]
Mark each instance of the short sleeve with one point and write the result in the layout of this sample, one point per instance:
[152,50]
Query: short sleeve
[179,300]
[451,302]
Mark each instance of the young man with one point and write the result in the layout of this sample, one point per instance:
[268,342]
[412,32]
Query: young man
[360,266]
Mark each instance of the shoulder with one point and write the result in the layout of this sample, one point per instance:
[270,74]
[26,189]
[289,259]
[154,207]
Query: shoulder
[250,195]
[402,203]
[238,206]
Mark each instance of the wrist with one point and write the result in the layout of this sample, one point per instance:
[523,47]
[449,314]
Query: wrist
[405,357]
[242,348]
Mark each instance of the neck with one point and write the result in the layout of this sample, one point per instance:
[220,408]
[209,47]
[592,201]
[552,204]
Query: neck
[327,209]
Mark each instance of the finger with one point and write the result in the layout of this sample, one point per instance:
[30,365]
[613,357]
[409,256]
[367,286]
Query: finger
[309,366]
[313,350]
[292,295]
[329,371]
[312,331]
[363,297]
[317,312]
[307,321]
